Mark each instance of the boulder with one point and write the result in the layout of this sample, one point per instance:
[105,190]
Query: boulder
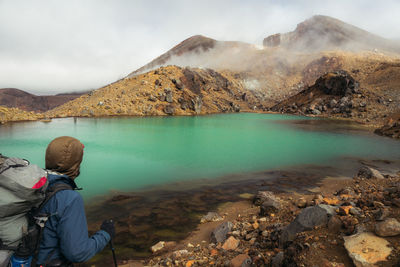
[241,260]
[301,202]
[169,109]
[335,224]
[162,245]
[219,234]
[366,249]
[168,95]
[269,206]
[277,261]
[180,253]
[306,220]
[333,103]
[389,227]
[369,173]
[263,196]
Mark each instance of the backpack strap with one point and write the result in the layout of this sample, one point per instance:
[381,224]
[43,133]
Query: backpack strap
[52,191]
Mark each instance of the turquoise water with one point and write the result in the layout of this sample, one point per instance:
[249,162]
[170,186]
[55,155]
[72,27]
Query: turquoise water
[123,154]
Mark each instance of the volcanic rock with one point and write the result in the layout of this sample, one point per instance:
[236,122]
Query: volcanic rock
[389,227]
[263,196]
[366,249]
[306,220]
[369,173]
[220,233]
[241,260]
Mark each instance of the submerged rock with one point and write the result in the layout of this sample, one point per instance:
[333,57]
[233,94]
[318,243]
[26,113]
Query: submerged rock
[211,217]
[369,173]
[366,249]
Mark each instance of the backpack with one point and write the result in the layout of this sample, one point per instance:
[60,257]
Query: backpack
[23,192]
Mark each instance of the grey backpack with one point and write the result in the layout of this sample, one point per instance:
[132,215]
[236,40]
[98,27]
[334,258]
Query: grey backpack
[22,190]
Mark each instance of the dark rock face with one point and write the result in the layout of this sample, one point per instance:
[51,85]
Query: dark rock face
[220,233]
[338,83]
[332,94]
[272,40]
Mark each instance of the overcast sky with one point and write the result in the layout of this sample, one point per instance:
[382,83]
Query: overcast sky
[58,46]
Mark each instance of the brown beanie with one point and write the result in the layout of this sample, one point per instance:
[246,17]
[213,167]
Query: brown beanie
[64,155]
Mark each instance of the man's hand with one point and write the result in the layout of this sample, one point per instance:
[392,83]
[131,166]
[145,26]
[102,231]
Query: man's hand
[108,226]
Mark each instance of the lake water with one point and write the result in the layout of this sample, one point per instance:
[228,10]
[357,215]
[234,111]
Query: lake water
[125,154]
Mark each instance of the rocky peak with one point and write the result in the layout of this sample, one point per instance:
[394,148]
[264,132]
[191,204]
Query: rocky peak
[320,33]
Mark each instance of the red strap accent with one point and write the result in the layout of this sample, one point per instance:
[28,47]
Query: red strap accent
[40,183]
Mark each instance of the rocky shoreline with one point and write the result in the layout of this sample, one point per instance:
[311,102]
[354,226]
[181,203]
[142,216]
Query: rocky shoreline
[340,223]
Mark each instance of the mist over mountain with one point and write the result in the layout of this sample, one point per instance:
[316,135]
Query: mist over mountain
[321,33]
[314,35]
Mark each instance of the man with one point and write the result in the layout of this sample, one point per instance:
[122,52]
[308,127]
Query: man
[65,237]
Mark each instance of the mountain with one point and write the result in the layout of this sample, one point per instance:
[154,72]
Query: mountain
[16,98]
[199,51]
[320,33]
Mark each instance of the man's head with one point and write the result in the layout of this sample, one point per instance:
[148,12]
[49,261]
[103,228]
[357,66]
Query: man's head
[64,155]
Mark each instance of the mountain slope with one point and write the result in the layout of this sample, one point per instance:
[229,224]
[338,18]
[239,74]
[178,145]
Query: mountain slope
[15,114]
[16,98]
[166,91]
[198,51]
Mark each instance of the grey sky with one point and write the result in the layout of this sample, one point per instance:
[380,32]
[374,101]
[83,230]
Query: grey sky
[57,46]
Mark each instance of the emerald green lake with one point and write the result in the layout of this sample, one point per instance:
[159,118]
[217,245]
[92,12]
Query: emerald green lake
[126,154]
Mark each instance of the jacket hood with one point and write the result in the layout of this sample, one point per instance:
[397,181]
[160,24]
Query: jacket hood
[64,155]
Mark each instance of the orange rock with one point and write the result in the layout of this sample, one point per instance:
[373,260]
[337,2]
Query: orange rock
[255,225]
[214,252]
[231,243]
[331,201]
[344,210]
[239,260]
[189,263]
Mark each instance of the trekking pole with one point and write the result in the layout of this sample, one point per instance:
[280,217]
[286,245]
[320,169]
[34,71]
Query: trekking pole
[113,253]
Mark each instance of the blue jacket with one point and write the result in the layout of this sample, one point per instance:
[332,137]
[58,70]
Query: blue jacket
[65,235]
